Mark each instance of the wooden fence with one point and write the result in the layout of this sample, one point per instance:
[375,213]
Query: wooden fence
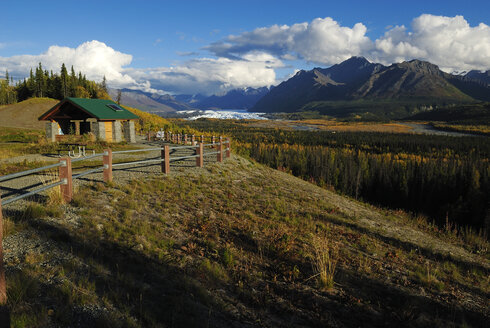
[221,147]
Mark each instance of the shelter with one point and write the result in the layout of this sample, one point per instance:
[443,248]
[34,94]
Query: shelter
[104,118]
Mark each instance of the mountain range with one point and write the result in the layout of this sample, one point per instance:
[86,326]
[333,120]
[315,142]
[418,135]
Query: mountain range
[348,88]
[243,98]
[149,102]
[359,85]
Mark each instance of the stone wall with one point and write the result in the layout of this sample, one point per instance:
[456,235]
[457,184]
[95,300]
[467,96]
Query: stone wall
[116,131]
[129,132]
[51,131]
[98,129]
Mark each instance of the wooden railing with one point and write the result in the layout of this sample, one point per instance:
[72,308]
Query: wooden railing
[221,147]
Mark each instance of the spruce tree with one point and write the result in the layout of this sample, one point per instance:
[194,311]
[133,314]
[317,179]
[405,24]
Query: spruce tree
[104,84]
[118,99]
[64,81]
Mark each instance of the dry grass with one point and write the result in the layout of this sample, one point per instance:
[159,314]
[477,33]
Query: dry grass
[25,113]
[334,126]
[476,129]
[220,243]
[54,194]
[326,256]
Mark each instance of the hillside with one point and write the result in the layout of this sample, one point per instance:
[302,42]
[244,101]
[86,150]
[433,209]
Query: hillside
[358,86]
[25,113]
[236,245]
[149,102]
[478,114]
[411,80]
[483,77]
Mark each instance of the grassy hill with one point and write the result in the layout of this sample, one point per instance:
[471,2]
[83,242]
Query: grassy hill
[25,113]
[237,245]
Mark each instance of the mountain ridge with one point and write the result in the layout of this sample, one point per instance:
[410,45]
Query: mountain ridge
[356,80]
[241,98]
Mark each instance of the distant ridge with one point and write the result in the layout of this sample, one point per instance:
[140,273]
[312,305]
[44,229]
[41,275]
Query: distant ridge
[149,102]
[357,84]
[243,98]
[483,77]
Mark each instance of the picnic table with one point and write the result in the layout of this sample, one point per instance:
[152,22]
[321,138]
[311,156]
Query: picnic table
[72,148]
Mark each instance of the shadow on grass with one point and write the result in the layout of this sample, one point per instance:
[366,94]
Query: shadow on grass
[405,245]
[159,293]
[154,292]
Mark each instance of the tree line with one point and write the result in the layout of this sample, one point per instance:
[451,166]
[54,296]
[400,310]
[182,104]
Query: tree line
[441,177]
[44,83]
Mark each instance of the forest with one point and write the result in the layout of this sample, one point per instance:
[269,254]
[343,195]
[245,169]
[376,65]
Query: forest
[444,178]
[42,83]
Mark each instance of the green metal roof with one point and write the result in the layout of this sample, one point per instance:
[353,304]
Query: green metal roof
[99,109]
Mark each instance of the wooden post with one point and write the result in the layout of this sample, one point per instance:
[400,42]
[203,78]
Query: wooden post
[220,152]
[179,137]
[228,148]
[77,126]
[107,162]
[185,139]
[200,152]
[4,311]
[202,139]
[65,175]
[148,137]
[193,140]
[3,286]
[166,157]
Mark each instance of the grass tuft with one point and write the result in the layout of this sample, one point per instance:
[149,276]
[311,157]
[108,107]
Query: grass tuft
[325,260]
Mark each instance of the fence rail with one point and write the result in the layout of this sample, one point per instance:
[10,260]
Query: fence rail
[107,157]
[66,175]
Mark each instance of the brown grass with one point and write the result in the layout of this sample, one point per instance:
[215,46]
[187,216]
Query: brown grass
[337,126]
[245,243]
[326,255]
[25,113]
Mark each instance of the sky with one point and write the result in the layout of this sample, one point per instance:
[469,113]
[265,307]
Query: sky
[210,47]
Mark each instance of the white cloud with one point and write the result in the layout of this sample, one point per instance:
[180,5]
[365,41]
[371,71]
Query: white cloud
[449,42]
[93,58]
[322,41]
[209,75]
[252,59]
[205,75]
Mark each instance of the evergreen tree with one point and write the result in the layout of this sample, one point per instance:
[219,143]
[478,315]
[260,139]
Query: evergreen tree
[118,99]
[64,81]
[104,84]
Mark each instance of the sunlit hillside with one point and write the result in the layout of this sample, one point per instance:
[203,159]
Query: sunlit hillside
[25,113]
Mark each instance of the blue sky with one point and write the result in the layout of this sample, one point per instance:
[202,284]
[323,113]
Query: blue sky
[212,46]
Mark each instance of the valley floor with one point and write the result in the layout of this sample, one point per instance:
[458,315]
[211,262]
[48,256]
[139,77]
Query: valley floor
[234,245]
